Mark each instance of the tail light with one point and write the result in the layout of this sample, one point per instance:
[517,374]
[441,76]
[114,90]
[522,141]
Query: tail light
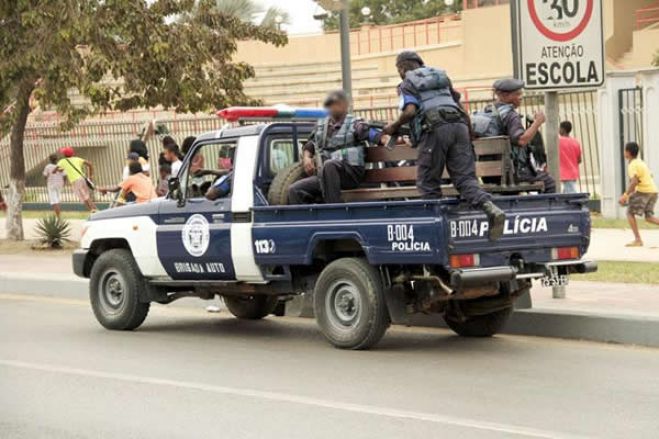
[465,261]
[563,253]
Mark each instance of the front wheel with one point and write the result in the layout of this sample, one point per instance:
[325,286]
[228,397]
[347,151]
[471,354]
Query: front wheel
[114,287]
[349,304]
[251,307]
[485,325]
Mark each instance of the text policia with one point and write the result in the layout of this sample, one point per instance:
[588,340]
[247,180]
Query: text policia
[574,71]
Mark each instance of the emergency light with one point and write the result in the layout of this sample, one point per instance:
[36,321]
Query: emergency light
[284,112]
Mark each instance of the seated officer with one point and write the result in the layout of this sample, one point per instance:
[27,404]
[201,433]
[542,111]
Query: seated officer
[440,131]
[338,140]
[508,98]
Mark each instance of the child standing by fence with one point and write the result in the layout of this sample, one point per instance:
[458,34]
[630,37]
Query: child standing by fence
[54,182]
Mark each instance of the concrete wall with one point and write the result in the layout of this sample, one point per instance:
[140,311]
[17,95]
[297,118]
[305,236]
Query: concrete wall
[619,25]
[646,45]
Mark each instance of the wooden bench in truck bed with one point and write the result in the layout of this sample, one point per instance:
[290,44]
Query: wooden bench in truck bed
[392,174]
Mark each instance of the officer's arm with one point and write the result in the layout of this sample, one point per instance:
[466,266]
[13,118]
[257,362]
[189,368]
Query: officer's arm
[406,116]
[530,133]
[364,132]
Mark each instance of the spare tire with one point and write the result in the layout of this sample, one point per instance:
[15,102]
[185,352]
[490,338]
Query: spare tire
[278,192]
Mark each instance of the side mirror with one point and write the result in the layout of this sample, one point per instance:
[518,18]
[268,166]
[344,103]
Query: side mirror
[174,186]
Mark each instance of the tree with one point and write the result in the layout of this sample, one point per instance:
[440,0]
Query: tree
[250,11]
[49,47]
[655,62]
[390,12]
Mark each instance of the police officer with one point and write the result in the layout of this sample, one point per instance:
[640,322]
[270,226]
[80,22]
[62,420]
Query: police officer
[509,92]
[338,141]
[440,131]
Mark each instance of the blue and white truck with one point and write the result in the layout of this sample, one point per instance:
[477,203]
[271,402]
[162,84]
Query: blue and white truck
[366,263]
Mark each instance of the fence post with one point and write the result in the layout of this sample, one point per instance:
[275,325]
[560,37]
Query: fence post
[608,134]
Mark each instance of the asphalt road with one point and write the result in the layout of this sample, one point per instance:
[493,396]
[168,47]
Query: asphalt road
[190,374]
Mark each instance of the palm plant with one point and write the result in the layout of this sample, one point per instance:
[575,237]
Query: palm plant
[53,232]
[250,10]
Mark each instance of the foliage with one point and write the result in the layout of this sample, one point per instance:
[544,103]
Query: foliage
[53,231]
[119,55]
[390,12]
[655,62]
[251,11]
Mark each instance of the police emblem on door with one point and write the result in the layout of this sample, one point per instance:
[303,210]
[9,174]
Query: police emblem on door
[196,235]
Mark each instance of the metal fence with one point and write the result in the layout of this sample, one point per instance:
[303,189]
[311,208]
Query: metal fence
[630,106]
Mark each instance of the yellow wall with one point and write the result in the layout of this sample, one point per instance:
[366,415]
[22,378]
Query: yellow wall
[619,25]
[646,45]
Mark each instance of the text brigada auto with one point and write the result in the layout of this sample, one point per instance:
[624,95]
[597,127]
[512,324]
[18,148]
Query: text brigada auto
[518,225]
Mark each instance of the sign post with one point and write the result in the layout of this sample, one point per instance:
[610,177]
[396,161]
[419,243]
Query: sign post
[557,45]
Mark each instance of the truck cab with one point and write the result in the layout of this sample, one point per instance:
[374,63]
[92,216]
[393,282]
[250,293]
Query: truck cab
[364,264]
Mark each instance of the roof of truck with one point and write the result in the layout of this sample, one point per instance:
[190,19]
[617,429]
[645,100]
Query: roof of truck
[250,130]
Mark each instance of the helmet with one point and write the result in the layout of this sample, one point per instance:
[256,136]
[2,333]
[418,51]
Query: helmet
[409,55]
[67,151]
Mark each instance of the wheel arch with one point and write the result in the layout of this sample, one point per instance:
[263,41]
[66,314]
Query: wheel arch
[328,247]
[98,247]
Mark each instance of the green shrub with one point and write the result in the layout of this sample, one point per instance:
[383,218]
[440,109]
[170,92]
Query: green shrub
[53,232]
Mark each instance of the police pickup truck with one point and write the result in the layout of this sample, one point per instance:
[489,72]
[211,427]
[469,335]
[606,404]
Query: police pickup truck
[374,260]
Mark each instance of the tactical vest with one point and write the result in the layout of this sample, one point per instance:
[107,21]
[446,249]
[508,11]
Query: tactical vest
[489,121]
[343,145]
[434,89]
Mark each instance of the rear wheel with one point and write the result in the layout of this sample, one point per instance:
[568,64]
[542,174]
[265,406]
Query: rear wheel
[349,304]
[251,307]
[278,192]
[485,325]
[114,288]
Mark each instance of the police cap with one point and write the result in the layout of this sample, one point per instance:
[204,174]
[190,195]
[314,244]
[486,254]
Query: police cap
[335,96]
[409,55]
[508,84]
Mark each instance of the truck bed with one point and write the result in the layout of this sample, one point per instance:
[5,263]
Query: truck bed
[424,231]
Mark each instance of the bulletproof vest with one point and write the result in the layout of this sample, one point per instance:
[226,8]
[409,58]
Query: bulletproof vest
[342,145]
[489,121]
[434,89]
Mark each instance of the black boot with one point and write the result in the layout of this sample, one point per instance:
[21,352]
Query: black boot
[495,218]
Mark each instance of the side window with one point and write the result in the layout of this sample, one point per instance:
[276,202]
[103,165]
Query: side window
[210,166]
[282,154]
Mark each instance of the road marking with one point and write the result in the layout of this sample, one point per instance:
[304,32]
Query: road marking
[296,399]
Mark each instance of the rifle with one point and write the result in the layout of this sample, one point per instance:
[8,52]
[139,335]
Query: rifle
[402,131]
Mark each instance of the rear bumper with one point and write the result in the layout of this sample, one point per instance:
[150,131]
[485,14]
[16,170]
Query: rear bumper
[79,257]
[480,276]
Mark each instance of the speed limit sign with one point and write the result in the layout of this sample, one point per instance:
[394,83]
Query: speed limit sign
[558,43]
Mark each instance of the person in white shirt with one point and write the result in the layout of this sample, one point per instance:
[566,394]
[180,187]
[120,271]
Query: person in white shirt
[173,156]
[54,182]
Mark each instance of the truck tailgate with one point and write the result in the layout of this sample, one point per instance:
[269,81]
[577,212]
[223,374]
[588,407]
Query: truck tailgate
[534,226]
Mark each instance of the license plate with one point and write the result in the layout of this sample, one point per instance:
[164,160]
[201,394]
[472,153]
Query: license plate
[557,280]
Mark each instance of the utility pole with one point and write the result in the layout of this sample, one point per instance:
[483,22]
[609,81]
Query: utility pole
[346,71]
[553,156]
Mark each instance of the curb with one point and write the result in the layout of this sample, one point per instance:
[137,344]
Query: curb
[598,327]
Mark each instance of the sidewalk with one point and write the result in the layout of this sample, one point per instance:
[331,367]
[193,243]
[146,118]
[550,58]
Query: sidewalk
[609,245]
[29,225]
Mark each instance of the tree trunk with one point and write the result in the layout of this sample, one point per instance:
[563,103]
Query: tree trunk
[17,163]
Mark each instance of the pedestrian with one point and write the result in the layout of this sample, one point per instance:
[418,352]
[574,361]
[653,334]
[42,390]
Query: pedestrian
[79,173]
[641,194]
[440,132]
[137,150]
[137,184]
[3,205]
[570,158]
[509,94]
[334,156]
[172,155]
[165,171]
[54,183]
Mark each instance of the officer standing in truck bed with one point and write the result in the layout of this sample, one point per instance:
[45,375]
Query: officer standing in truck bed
[440,131]
[338,141]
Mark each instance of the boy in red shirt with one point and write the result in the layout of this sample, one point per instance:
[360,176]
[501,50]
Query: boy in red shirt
[570,158]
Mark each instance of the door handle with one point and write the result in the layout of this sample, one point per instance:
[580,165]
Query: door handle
[218,217]
[174,220]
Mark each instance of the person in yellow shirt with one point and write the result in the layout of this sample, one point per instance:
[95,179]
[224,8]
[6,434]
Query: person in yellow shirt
[641,194]
[78,173]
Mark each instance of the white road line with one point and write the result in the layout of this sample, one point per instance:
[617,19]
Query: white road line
[296,399]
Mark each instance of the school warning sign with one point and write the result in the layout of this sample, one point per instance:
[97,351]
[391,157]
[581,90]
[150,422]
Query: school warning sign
[558,44]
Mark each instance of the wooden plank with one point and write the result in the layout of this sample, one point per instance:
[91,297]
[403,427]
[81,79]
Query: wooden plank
[390,175]
[383,154]
[491,146]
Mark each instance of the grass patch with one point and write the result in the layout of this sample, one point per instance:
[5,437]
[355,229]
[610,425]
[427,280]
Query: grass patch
[623,272]
[608,223]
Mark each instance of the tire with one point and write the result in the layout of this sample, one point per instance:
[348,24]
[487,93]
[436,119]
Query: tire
[114,291]
[485,325]
[278,192]
[349,304]
[251,307]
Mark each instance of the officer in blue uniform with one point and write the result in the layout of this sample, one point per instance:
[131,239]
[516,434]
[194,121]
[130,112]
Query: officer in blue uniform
[509,92]
[339,142]
[440,131]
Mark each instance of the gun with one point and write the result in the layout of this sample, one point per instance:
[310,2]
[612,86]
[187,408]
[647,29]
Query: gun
[402,131]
